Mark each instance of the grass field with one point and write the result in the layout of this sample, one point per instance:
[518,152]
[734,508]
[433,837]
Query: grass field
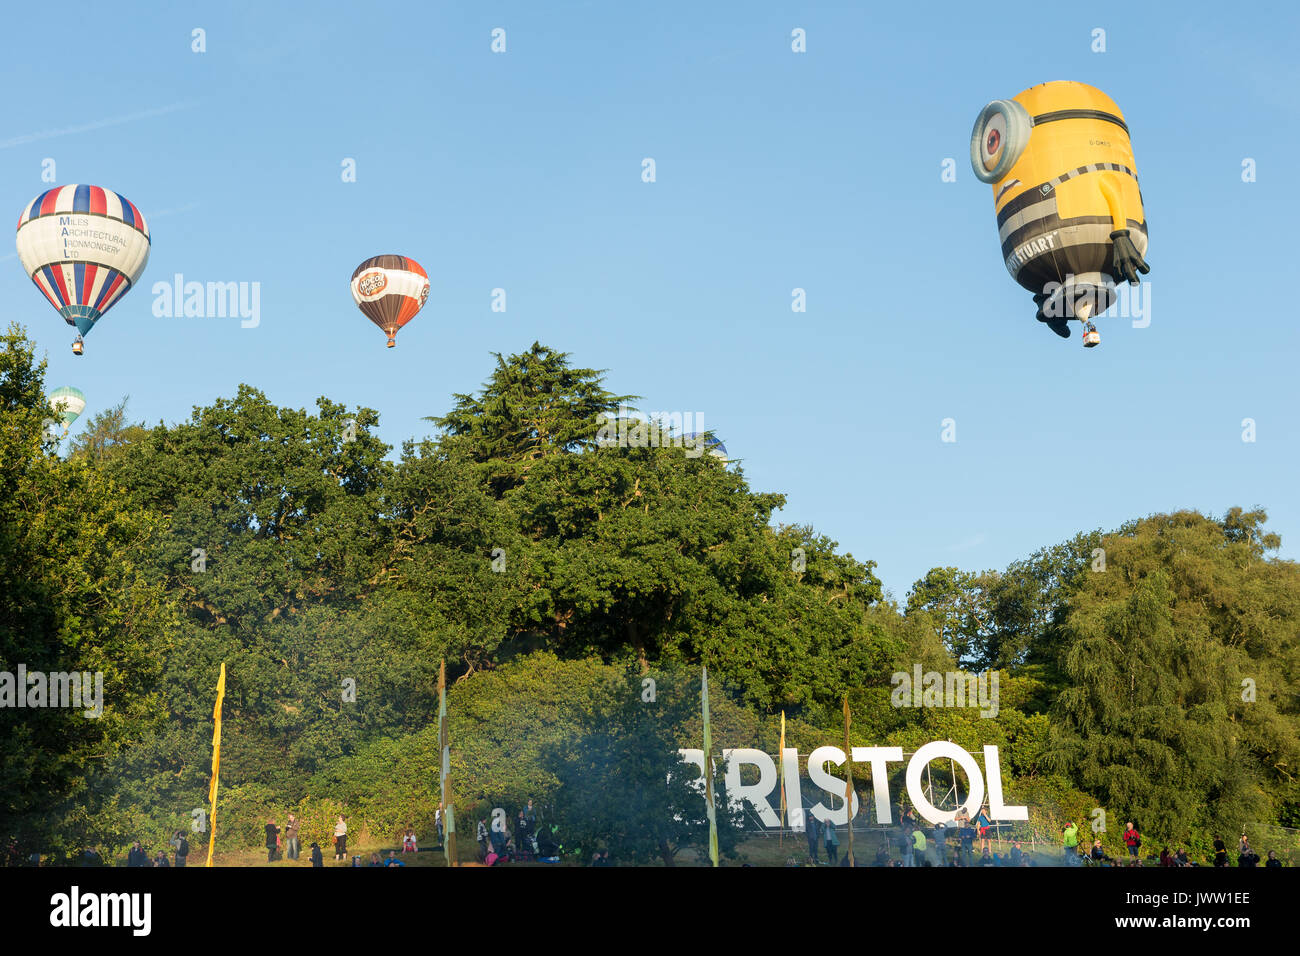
[764,850]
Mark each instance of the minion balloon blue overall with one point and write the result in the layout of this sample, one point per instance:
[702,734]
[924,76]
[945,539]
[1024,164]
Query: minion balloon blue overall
[1066,195]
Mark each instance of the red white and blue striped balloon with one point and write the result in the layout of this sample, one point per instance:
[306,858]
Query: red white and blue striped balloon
[84,247]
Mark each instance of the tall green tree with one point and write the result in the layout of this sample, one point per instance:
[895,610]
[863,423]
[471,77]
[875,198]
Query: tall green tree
[107,433]
[534,405]
[956,602]
[624,787]
[73,598]
[1183,703]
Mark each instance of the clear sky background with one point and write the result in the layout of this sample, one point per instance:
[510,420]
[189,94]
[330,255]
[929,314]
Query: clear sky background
[775,170]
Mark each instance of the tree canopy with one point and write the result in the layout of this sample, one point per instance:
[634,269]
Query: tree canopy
[1154,669]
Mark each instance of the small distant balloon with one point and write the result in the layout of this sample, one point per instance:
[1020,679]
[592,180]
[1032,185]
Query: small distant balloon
[389,291]
[68,403]
[84,247]
[711,444]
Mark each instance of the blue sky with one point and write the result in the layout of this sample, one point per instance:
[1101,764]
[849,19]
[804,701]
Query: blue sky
[775,170]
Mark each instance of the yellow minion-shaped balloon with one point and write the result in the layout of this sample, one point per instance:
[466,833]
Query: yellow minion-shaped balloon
[1066,194]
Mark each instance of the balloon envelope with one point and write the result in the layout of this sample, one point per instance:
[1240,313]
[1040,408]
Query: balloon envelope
[711,444]
[1060,164]
[390,290]
[68,403]
[84,247]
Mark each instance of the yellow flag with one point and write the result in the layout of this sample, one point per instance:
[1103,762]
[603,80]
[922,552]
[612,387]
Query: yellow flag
[780,762]
[216,762]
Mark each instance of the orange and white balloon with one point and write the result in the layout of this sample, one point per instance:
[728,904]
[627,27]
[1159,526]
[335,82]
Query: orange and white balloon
[390,290]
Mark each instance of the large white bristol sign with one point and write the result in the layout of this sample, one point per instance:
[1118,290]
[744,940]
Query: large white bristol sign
[878,759]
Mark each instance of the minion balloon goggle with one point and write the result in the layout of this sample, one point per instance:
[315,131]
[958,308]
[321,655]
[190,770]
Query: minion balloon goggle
[1000,136]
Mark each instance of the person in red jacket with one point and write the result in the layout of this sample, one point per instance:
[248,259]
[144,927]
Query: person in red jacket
[1132,839]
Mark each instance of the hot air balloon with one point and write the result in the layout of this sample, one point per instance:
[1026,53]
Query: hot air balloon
[1066,194]
[711,444]
[68,403]
[84,247]
[390,290]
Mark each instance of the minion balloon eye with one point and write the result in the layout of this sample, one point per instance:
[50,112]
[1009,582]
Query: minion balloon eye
[1001,134]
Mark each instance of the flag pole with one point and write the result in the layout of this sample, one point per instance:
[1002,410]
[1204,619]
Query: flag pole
[216,763]
[780,762]
[848,785]
[708,770]
[446,801]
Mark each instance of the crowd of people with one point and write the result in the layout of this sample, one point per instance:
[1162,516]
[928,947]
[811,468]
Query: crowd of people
[282,842]
[499,842]
[969,842]
[180,848]
[286,840]
[1132,838]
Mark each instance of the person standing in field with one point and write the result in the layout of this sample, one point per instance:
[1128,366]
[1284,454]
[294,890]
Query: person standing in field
[317,860]
[291,838]
[1132,839]
[272,840]
[983,823]
[1070,843]
[523,835]
[1220,852]
[340,839]
[811,832]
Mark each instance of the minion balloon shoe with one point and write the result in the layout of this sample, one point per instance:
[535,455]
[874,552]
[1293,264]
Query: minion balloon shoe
[1066,195]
